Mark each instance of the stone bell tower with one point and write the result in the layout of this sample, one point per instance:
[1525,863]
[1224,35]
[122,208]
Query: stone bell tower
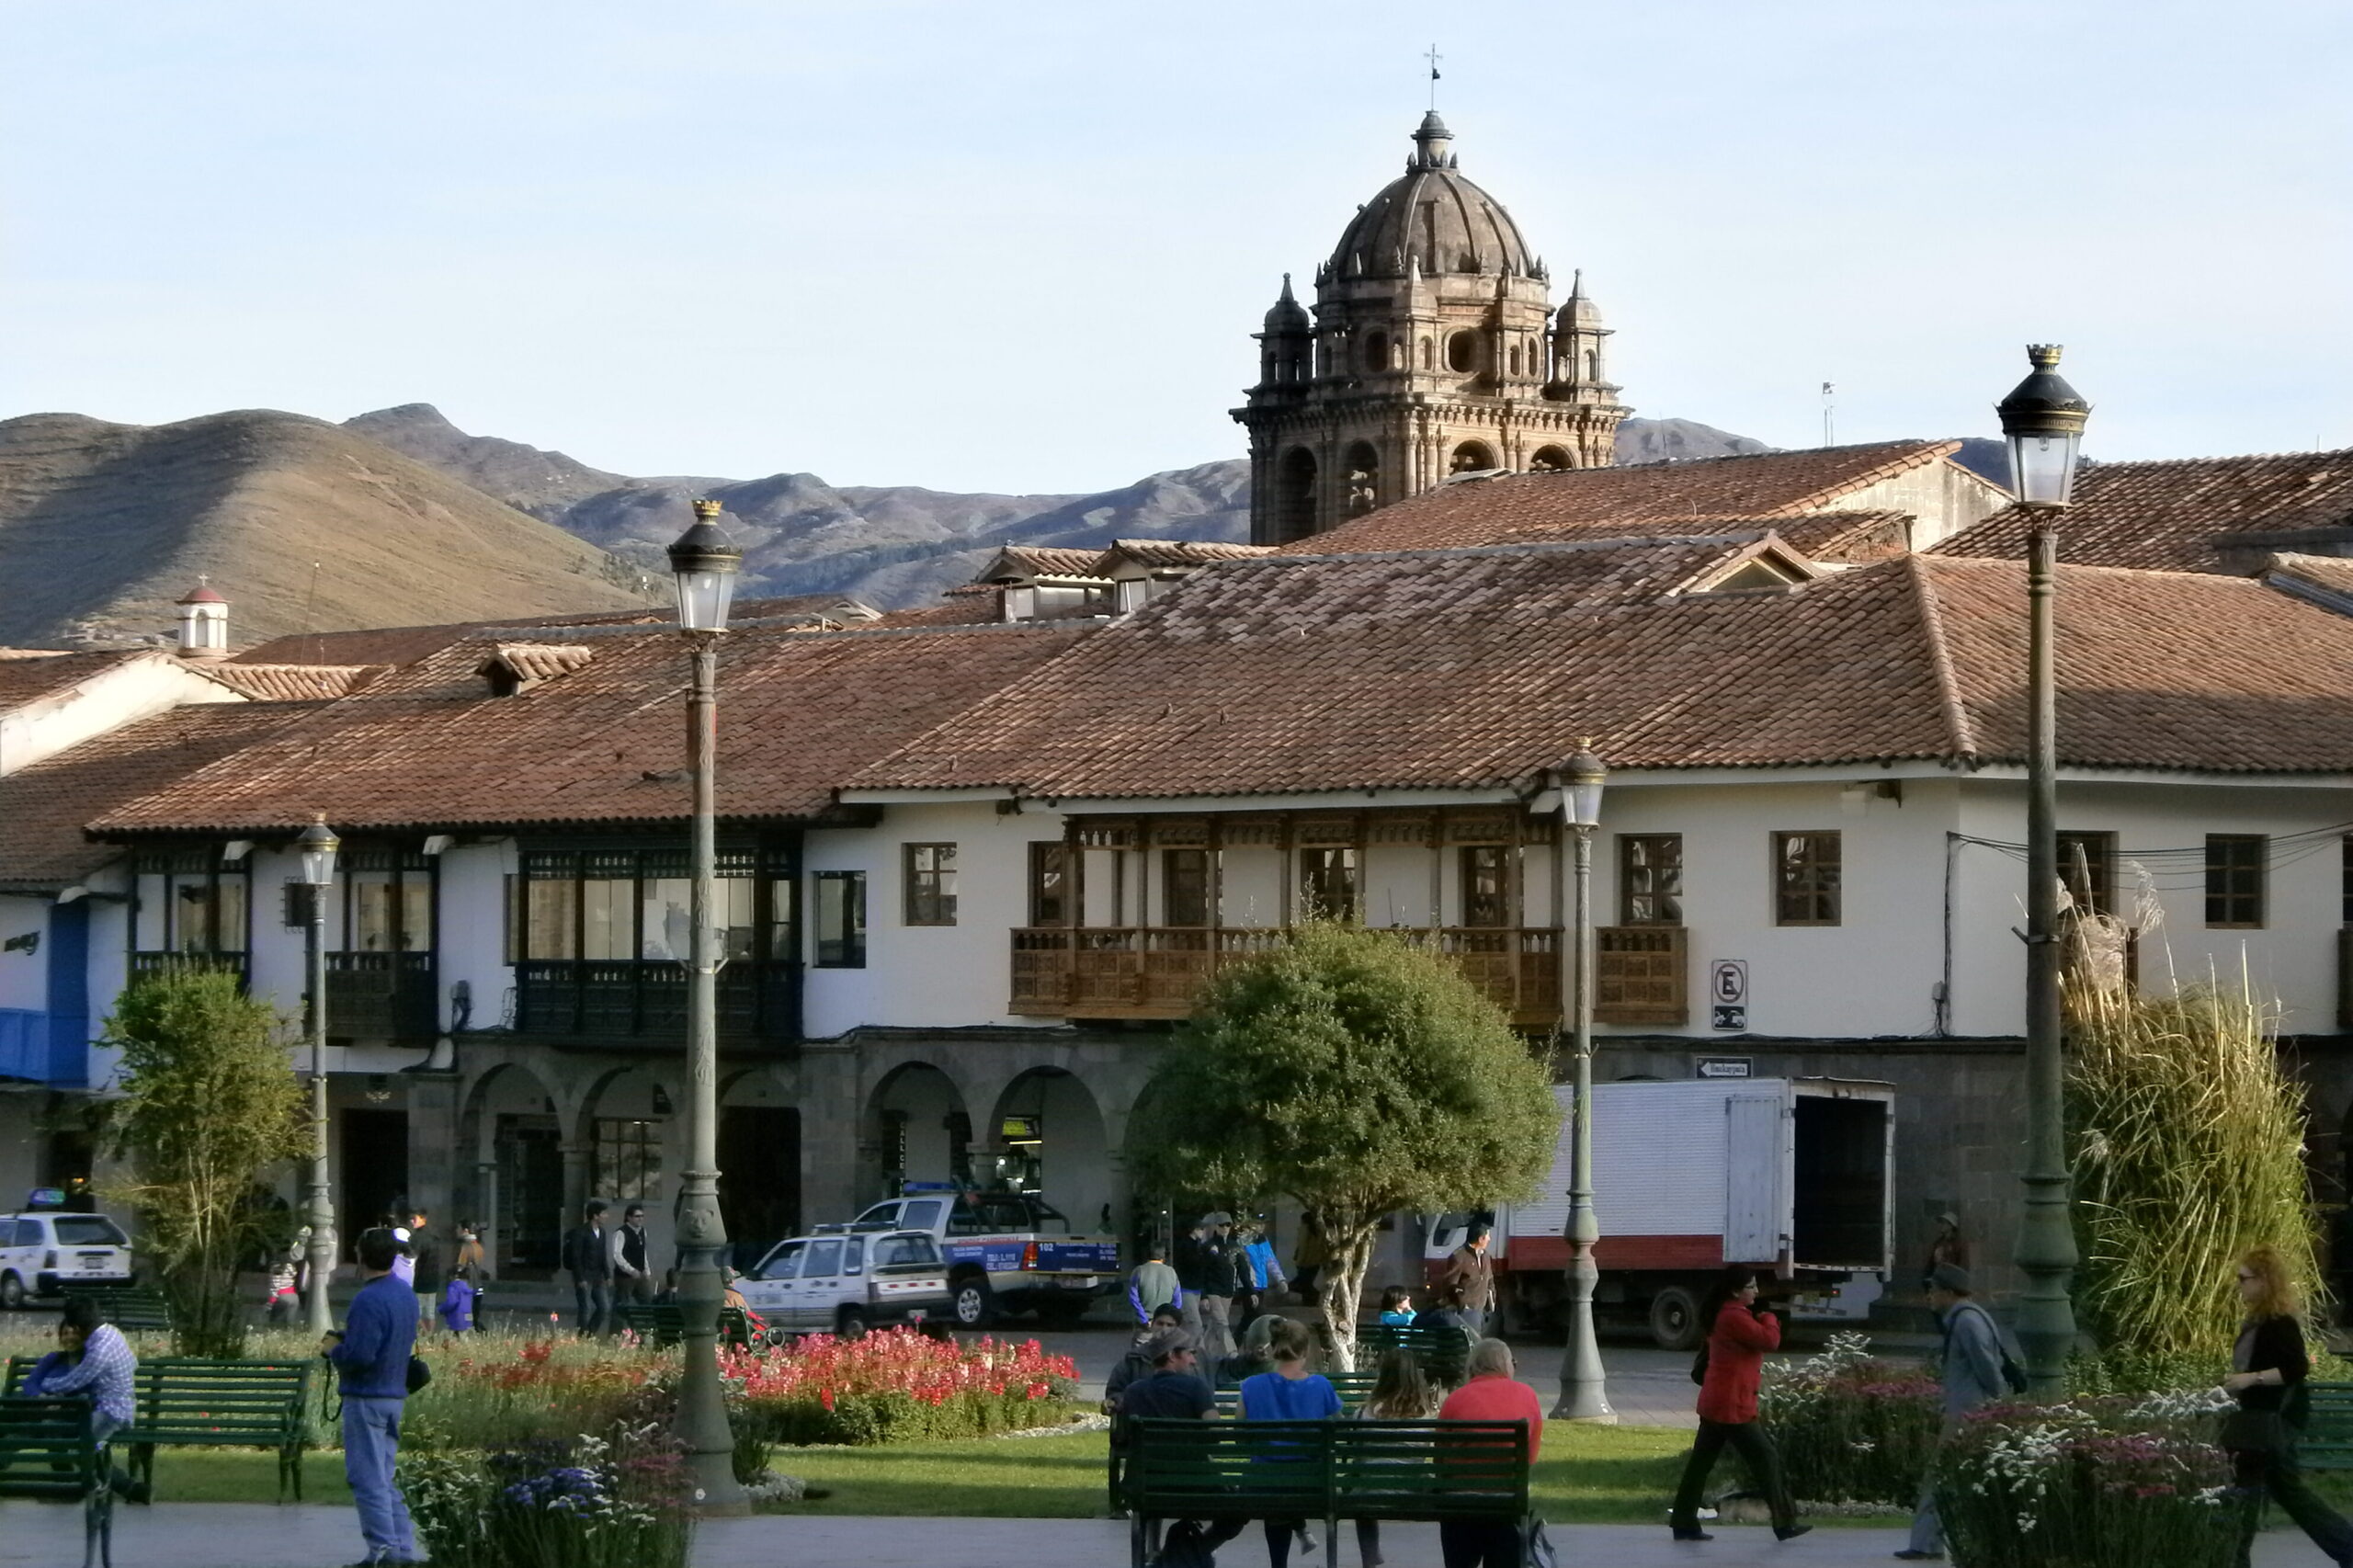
[1432,351]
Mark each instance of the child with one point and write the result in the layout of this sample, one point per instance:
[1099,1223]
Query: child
[1396,1306]
[456,1307]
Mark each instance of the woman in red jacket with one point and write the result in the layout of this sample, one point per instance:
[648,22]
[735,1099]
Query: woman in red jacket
[1736,1346]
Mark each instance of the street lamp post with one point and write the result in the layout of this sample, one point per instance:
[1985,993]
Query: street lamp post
[704,560]
[2043,419]
[318,845]
[1584,1396]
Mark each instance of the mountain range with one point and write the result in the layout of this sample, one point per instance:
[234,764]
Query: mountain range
[399,518]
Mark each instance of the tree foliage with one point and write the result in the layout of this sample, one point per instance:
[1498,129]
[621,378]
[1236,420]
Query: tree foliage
[210,1107]
[2188,1141]
[1359,1074]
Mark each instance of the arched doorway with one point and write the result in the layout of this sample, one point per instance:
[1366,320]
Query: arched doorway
[636,1143]
[512,1185]
[1471,456]
[760,1164]
[1295,496]
[919,1130]
[1047,1136]
[1550,459]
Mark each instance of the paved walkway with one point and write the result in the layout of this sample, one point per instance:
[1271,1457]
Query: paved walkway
[257,1534]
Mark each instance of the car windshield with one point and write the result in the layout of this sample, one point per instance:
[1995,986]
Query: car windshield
[87,1230]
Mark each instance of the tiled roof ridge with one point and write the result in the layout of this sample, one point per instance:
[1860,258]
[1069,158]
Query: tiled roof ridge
[2079,568]
[1945,445]
[1932,623]
[1510,547]
[2113,463]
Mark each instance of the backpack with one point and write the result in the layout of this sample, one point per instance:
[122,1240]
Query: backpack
[2013,1374]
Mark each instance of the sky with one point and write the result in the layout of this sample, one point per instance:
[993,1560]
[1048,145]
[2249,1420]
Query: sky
[1021,248]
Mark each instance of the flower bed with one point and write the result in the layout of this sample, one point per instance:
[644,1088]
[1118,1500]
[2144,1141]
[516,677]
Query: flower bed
[583,1504]
[894,1387]
[2103,1483]
[1850,1428]
[509,1394]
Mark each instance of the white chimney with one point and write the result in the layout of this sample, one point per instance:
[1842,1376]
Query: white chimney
[204,624]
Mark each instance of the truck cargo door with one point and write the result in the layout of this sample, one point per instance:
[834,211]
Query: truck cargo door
[1753,1197]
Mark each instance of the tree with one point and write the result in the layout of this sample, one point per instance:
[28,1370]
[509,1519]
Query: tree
[209,1108]
[1360,1075]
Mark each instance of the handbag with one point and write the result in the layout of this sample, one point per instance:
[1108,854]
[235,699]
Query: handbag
[2255,1432]
[419,1374]
[1699,1366]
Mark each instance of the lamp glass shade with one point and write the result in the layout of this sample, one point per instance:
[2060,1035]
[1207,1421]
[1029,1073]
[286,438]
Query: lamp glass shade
[704,598]
[318,845]
[2043,467]
[1582,797]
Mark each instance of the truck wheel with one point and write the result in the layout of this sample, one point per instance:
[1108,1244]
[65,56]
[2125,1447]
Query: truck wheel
[851,1323]
[1674,1318]
[972,1303]
[12,1292]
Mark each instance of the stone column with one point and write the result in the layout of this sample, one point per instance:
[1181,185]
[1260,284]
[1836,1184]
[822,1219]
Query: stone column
[432,1149]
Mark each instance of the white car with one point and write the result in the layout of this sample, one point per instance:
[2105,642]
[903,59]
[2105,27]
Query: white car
[844,1285]
[42,1252]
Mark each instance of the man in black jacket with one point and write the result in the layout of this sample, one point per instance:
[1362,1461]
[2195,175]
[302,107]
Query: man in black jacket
[588,1258]
[1205,1269]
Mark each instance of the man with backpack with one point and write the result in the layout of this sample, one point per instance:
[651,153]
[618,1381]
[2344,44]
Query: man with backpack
[1976,1371]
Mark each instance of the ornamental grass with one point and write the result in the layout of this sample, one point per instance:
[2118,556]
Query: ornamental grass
[2189,1149]
[2113,1482]
[895,1386]
[1849,1426]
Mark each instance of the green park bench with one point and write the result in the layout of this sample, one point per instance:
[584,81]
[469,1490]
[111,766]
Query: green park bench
[188,1402]
[134,1308]
[47,1452]
[2327,1441]
[1320,1470]
[1352,1388]
[663,1324]
[1442,1350]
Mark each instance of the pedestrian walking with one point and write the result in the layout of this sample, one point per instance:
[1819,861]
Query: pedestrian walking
[589,1261]
[1153,1284]
[633,1259]
[1740,1333]
[1205,1272]
[1468,1285]
[1398,1392]
[2269,1365]
[371,1357]
[456,1308]
[1951,1246]
[1491,1393]
[1289,1392]
[425,1262]
[1265,1272]
[1972,1376]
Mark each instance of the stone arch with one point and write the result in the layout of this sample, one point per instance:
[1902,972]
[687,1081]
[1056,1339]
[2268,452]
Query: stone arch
[1550,459]
[759,1161]
[1376,350]
[1295,496]
[1364,478]
[918,1126]
[1471,456]
[632,1141]
[1069,1163]
[510,1178]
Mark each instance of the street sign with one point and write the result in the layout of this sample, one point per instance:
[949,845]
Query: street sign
[1727,1066]
[1728,993]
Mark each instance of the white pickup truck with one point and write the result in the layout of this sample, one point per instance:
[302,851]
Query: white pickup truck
[1006,1252]
[846,1284]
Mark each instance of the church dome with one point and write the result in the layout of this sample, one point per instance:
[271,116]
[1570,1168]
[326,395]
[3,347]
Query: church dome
[1431,216]
[1288,315]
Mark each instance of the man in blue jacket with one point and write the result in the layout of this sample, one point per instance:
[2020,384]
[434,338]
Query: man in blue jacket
[371,1358]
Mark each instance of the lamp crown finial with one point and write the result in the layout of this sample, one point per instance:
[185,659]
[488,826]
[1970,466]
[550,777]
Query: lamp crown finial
[707,509]
[2044,356]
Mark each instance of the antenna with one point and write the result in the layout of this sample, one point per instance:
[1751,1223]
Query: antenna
[311,620]
[1829,415]
[1433,57]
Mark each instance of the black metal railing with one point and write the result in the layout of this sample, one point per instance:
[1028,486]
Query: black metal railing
[381,996]
[625,999]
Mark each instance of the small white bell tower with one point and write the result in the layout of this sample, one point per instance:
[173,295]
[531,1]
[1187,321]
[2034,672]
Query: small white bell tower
[204,624]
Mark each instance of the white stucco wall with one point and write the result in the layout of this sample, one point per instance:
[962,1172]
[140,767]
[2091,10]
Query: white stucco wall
[108,700]
[472,933]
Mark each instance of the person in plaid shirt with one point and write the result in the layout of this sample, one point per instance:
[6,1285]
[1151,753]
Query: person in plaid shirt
[104,1371]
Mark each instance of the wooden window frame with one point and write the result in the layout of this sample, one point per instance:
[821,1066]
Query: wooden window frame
[1469,871]
[1049,909]
[1171,880]
[845,958]
[1835,893]
[2219,872]
[2100,860]
[626,1158]
[928,891]
[1627,842]
[1340,856]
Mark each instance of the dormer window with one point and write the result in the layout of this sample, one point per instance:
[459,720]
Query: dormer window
[518,666]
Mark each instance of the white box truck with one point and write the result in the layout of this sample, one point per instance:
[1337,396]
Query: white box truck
[1795,1176]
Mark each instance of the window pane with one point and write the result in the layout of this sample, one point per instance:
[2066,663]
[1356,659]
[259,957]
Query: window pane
[2088,868]
[417,912]
[1185,887]
[931,884]
[2235,875]
[607,926]
[229,914]
[372,913]
[1485,885]
[784,915]
[841,919]
[824,1260]
[669,930]
[1046,884]
[1806,868]
[192,916]
[1650,878]
[1327,884]
[550,919]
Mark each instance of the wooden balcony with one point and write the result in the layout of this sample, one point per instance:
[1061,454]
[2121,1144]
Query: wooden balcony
[1642,974]
[1157,971]
[620,998]
[381,996]
[152,962]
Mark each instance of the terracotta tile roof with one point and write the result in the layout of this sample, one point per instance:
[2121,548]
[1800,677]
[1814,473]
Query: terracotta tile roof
[1039,561]
[2167,516]
[406,644]
[799,713]
[1849,538]
[42,807]
[1174,553]
[290,683]
[2324,579]
[1605,502]
[975,604]
[30,679]
[1482,669]
[537,661]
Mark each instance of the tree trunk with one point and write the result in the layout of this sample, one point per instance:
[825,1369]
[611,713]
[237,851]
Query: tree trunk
[1349,1238]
